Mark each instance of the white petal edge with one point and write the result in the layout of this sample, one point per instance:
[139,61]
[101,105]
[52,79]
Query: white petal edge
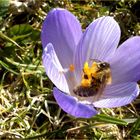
[54,69]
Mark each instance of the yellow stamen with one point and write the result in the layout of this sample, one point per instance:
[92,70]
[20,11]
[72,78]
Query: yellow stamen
[86,68]
[94,69]
[86,82]
[89,72]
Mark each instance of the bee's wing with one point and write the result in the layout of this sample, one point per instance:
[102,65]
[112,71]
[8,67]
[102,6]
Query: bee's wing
[101,89]
[84,91]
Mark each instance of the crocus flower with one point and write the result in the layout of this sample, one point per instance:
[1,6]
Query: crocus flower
[66,51]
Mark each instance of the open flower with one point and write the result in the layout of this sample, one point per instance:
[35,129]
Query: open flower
[70,56]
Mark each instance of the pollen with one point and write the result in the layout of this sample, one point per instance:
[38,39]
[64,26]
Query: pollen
[89,71]
[71,68]
[86,82]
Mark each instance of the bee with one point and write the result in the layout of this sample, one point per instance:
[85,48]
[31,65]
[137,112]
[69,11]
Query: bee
[94,80]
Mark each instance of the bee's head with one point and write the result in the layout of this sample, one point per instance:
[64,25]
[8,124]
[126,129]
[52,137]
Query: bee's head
[103,65]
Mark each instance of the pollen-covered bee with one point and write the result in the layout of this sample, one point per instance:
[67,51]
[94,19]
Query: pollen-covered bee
[94,79]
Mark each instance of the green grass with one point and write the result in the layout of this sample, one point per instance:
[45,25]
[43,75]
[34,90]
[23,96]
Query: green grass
[27,107]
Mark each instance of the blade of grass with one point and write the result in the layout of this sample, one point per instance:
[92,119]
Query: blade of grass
[10,40]
[109,119]
[135,127]
[30,66]
[8,68]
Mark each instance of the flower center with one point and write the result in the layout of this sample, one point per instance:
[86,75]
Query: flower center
[94,79]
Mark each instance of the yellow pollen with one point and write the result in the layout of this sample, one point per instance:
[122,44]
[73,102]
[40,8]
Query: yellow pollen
[71,68]
[86,82]
[89,72]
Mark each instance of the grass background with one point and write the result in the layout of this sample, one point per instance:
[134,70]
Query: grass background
[27,107]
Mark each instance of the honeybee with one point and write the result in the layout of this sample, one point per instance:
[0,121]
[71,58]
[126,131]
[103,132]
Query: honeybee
[94,80]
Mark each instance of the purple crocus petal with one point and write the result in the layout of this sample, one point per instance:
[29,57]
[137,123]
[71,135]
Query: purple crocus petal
[70,105]
[99,41]
[125,63]
[53,68]
[63,30]
[118,95]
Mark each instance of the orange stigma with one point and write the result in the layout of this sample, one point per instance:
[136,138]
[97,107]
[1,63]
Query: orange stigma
[71,68]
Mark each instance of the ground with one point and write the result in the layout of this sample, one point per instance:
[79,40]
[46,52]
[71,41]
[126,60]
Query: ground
[27,107]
